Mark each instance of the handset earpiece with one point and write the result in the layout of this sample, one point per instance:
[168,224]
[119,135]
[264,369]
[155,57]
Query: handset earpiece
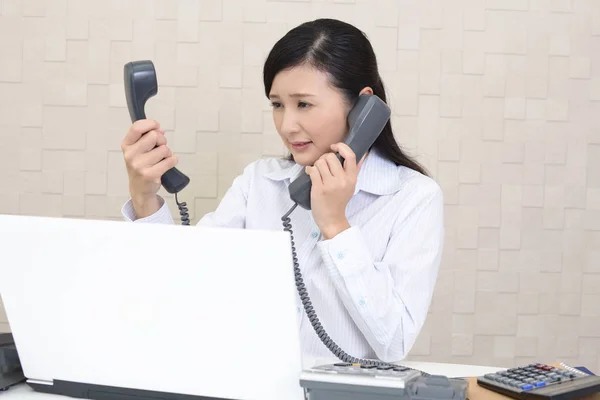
[140,85]
[366,120]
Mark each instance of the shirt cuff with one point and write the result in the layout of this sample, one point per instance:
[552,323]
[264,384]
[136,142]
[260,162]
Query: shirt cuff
[346,252]
[162,216]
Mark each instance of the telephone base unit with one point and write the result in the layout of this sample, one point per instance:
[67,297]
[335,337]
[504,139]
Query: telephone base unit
[345,381]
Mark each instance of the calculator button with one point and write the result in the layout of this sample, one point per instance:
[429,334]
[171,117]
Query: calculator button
[540,384]
[527,387]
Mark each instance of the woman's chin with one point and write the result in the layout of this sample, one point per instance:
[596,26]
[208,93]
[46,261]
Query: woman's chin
[304,158]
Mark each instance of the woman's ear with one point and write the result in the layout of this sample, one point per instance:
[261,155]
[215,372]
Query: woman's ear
[366,90]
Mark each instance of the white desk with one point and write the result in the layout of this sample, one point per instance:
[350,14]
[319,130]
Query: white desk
[24,392]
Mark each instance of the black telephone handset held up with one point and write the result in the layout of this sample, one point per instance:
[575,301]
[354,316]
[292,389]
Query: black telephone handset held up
[140,85]
[139,78]
[366,120]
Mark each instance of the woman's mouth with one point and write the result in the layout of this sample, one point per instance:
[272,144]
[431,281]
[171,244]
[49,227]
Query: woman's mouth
[300,145]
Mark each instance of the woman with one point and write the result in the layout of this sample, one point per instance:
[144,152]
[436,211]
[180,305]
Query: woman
[370,248]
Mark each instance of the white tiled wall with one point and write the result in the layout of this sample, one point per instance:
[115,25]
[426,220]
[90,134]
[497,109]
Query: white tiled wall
[499,98]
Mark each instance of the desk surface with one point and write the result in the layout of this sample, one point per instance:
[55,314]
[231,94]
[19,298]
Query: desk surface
[24,392]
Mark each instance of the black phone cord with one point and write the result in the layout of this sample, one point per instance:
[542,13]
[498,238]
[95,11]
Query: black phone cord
[183,211]
[312,315]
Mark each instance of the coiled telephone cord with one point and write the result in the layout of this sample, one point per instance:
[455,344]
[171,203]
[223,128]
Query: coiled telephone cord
[183,211]
[311,313]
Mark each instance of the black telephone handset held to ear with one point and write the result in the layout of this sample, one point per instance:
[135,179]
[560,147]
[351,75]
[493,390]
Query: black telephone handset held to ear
[140,85]
[366,120]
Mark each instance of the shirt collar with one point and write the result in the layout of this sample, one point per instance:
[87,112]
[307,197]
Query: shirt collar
[377,174]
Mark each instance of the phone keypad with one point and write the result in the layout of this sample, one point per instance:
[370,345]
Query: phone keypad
[364,369]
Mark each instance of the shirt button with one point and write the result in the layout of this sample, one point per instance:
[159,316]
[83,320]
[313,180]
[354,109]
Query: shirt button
[315,234]
[362,302]
[340,255]
[298,310]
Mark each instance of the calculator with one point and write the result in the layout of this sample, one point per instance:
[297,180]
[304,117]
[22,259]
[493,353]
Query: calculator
[541,381]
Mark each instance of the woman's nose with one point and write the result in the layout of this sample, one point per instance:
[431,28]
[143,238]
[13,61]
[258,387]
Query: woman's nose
[289,122]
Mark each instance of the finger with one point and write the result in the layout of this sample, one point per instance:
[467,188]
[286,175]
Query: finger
[138,128]
[156,171]
[162,140]
[334,164]
[315,176]
[348,155]
[147,142]
[154,156]
[323,167]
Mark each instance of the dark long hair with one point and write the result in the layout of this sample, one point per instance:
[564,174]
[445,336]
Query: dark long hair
[343,52]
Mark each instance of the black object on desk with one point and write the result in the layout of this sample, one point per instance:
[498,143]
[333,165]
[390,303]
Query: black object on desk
[541,381]
[11,372]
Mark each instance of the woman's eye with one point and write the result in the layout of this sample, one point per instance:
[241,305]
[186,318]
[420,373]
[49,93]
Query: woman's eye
[303,104]
[275,104]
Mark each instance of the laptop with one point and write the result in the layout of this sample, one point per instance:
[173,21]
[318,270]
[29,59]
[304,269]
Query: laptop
[108,309]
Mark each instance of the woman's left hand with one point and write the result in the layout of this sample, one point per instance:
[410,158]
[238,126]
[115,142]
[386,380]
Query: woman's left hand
[332,188]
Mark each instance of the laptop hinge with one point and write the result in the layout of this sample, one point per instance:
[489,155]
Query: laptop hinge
[40,382]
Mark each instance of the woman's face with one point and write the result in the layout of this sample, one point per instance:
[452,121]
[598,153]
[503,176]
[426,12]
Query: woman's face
[309,114]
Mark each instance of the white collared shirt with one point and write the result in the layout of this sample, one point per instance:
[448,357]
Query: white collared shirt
[372,284]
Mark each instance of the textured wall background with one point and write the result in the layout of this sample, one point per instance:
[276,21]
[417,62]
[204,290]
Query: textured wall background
[499,98]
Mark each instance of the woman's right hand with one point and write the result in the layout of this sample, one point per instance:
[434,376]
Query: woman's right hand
[147,158]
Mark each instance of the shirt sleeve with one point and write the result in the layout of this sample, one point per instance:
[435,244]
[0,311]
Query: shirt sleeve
[231,211]
[162,216]
[389,299]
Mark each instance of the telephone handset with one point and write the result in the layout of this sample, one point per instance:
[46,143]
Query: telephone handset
[140,85]
[366,120]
